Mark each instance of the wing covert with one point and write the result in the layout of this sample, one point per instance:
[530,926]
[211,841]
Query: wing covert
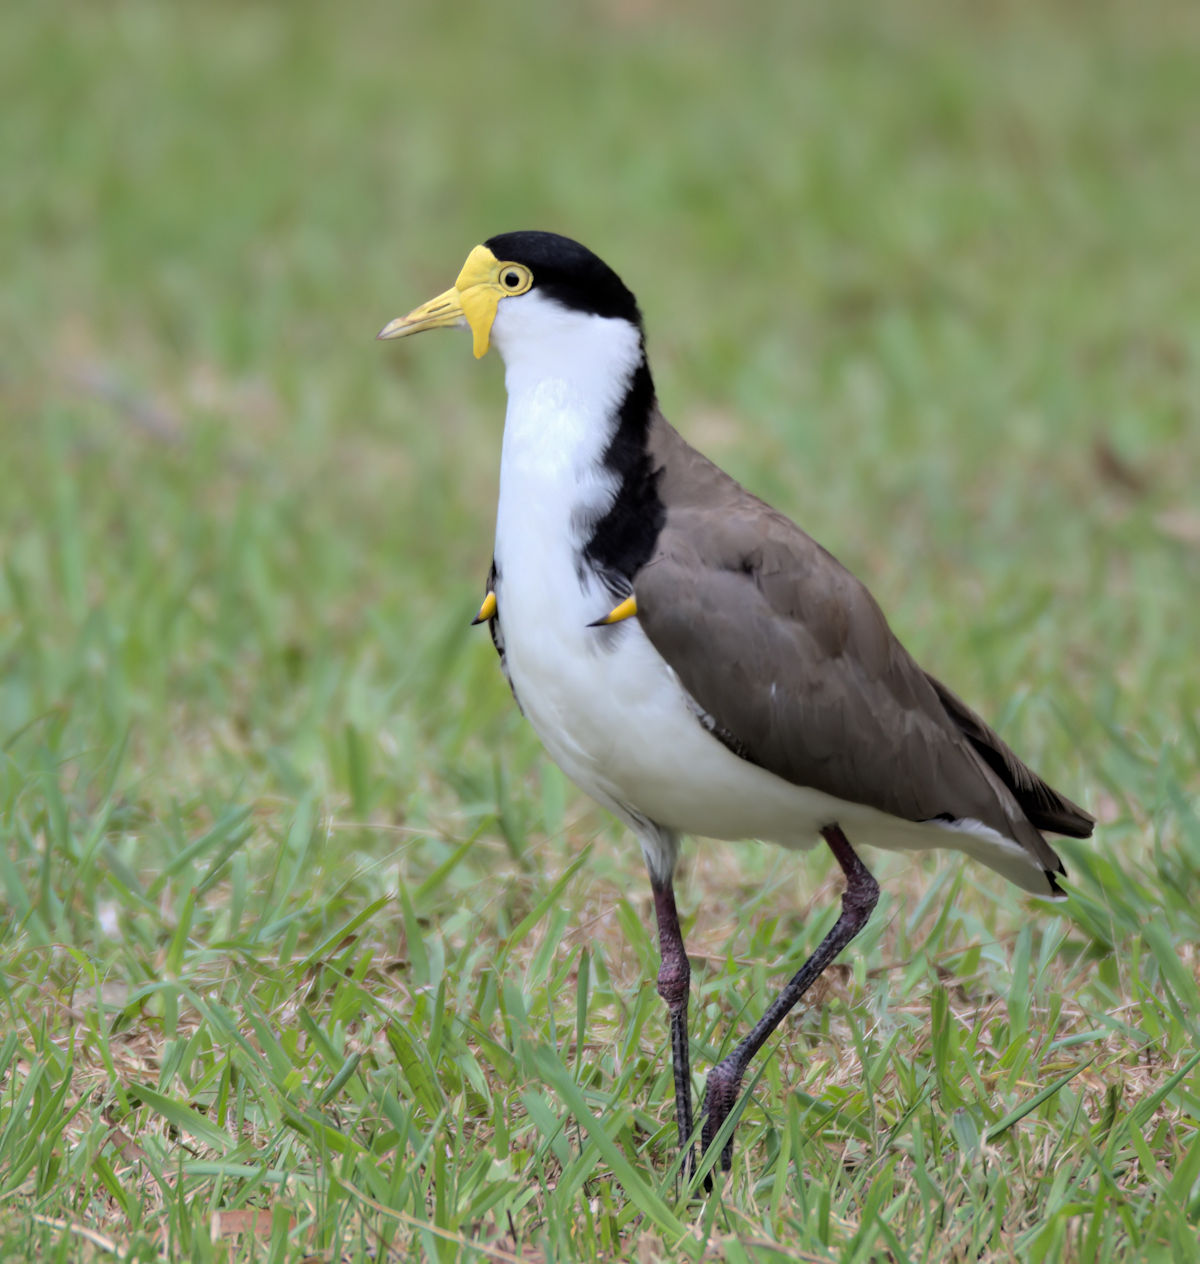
[793,665]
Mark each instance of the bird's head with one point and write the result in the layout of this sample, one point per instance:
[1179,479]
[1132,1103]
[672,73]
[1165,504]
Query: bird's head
[520,286]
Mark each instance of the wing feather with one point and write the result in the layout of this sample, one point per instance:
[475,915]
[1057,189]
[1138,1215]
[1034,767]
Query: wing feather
[794,663]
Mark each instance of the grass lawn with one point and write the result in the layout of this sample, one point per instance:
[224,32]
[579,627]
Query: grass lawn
[306,951]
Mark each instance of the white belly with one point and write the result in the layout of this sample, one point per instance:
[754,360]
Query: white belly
[614,717]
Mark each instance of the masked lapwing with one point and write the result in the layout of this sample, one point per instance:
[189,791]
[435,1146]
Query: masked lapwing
[689,656]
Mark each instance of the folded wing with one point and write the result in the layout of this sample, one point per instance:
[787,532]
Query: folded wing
[792,665]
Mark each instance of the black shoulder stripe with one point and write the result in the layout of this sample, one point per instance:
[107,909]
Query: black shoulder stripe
[622,541]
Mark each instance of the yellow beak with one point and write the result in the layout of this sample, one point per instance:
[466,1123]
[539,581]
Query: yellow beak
[438,313]
[472,301]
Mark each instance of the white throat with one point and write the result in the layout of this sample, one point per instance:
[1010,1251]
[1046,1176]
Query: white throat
[566,373]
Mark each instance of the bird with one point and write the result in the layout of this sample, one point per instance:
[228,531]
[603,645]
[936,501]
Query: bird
[691,658]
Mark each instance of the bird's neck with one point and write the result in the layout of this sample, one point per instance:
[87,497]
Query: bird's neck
[576,473]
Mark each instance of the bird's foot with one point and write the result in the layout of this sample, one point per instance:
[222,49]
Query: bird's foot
[720,1097]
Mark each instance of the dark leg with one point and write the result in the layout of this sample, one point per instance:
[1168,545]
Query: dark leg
[674,978]
[725,1079]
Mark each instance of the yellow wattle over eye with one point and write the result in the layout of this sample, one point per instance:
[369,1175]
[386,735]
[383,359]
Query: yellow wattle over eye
[515,278]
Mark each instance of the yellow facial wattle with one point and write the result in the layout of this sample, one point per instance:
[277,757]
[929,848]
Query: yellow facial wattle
[473,300]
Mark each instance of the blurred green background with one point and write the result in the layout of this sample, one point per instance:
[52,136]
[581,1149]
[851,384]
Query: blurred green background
[925,277]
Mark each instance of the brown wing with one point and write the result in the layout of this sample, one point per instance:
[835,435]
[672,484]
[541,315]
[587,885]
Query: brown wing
[794,664]
[1045,806]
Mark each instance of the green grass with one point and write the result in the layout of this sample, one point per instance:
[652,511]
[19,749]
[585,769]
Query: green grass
[305,950]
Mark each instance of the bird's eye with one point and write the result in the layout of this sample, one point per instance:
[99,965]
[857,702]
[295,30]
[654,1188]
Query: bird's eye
[515,278]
